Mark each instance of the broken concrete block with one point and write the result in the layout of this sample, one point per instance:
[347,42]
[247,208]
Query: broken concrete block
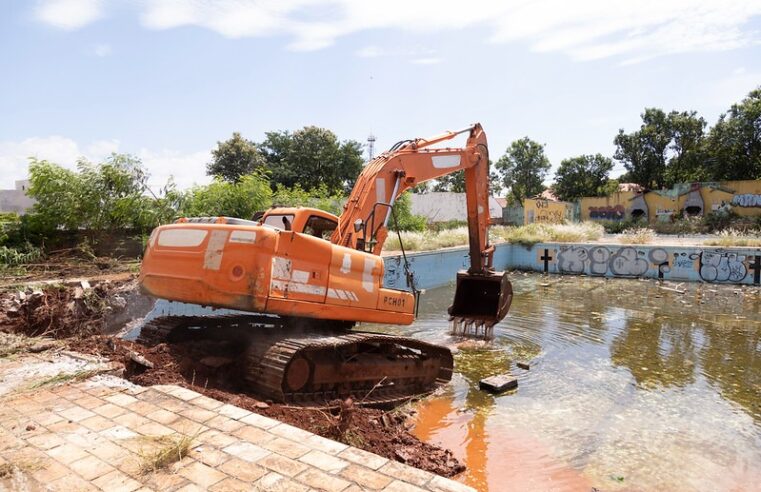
[139,359]
[498,384]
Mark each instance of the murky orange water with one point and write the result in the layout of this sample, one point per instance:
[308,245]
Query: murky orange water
[631,387]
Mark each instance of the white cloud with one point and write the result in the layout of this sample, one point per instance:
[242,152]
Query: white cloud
[102,50]
[69,14]
[426,61]
[370,52]
[187,168]
[630,30]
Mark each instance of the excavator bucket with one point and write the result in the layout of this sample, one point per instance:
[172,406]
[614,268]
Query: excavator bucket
[480,302]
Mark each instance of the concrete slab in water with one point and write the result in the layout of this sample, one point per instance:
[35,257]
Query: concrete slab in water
[499,383]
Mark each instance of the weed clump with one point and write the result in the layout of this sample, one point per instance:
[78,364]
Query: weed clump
[170,450]
[638,235]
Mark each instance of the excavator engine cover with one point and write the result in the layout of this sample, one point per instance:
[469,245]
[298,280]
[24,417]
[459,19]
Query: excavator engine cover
[480,301]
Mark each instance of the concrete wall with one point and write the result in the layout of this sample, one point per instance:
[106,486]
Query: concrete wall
[547,211]
[742,197]
[445,206]
[15,200]
[688,264]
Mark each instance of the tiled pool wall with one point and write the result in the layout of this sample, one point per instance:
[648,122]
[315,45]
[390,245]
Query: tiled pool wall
[678,263]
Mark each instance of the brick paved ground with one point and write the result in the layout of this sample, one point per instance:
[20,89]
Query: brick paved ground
[94,435]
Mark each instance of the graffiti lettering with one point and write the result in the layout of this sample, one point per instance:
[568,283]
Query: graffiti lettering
[572,259]
[621,262]
[598,260]
[627,262]
[607,213]
[746,200]
[722,267]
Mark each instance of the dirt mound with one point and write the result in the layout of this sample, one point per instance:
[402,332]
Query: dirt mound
[61,311]
[209,367]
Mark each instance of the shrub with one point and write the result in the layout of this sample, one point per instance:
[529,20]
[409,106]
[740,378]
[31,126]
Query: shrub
[405,220]
[242,199]
[19,256]
[539,232]
[733,237]
[637,235]
[319,197]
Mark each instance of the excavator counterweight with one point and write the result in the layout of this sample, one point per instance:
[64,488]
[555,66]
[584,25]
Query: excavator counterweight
[310,276]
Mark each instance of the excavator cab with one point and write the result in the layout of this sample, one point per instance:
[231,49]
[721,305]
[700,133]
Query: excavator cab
[480,302]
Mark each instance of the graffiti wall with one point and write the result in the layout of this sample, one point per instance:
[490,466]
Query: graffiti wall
[737,266]
[692,199]
[547,211]
[684,264]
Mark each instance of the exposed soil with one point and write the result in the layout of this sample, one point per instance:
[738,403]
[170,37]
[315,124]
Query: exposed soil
[61,311]
[79,315]
[67,264]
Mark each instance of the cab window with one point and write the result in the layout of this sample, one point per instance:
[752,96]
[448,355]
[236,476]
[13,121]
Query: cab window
[279,221]
[320,227]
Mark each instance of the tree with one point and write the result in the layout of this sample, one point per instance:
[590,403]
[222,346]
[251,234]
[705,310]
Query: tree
[643,152]
[234,158]
[311,157]
[109,195]
[687,156]
[250,194]
[734,143]
[667,149]
[585,175]
[455,182]
[524,167]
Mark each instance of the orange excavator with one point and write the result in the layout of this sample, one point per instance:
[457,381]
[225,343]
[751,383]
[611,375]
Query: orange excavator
[305,277]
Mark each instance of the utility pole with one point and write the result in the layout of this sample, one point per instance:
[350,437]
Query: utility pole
[371,146]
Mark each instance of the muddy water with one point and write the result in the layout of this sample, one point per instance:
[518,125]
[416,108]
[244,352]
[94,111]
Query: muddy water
[631,387]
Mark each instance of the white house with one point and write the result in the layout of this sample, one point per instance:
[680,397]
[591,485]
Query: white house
[445,206]
[16,200]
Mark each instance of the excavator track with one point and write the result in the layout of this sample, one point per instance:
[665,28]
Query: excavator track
[308,362]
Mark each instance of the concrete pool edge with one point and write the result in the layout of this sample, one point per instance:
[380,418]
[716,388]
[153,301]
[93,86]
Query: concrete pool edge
[736,265]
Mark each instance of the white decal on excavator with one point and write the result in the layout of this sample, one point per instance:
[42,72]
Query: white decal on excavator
[315,290]
[344,295]
[346,265]
[281,268]
[243,237]
[367,275]
[300,276]
[181,238]
[212,259]
[380,190]
[445,161]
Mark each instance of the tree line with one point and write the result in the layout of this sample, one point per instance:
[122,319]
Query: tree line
[311,166]
[668,148]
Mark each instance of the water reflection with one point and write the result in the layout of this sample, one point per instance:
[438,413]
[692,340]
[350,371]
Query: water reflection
[632,387]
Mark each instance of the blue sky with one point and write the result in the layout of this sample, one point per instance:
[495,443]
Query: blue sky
[166,79]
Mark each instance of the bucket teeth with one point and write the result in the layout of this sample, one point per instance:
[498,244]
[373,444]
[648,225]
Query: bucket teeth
[473,328]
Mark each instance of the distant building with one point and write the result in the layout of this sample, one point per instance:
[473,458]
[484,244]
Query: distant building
[16,200]
[443,206]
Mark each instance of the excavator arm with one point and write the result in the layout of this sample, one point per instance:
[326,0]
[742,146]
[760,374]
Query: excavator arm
[363,223]
[482,297]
